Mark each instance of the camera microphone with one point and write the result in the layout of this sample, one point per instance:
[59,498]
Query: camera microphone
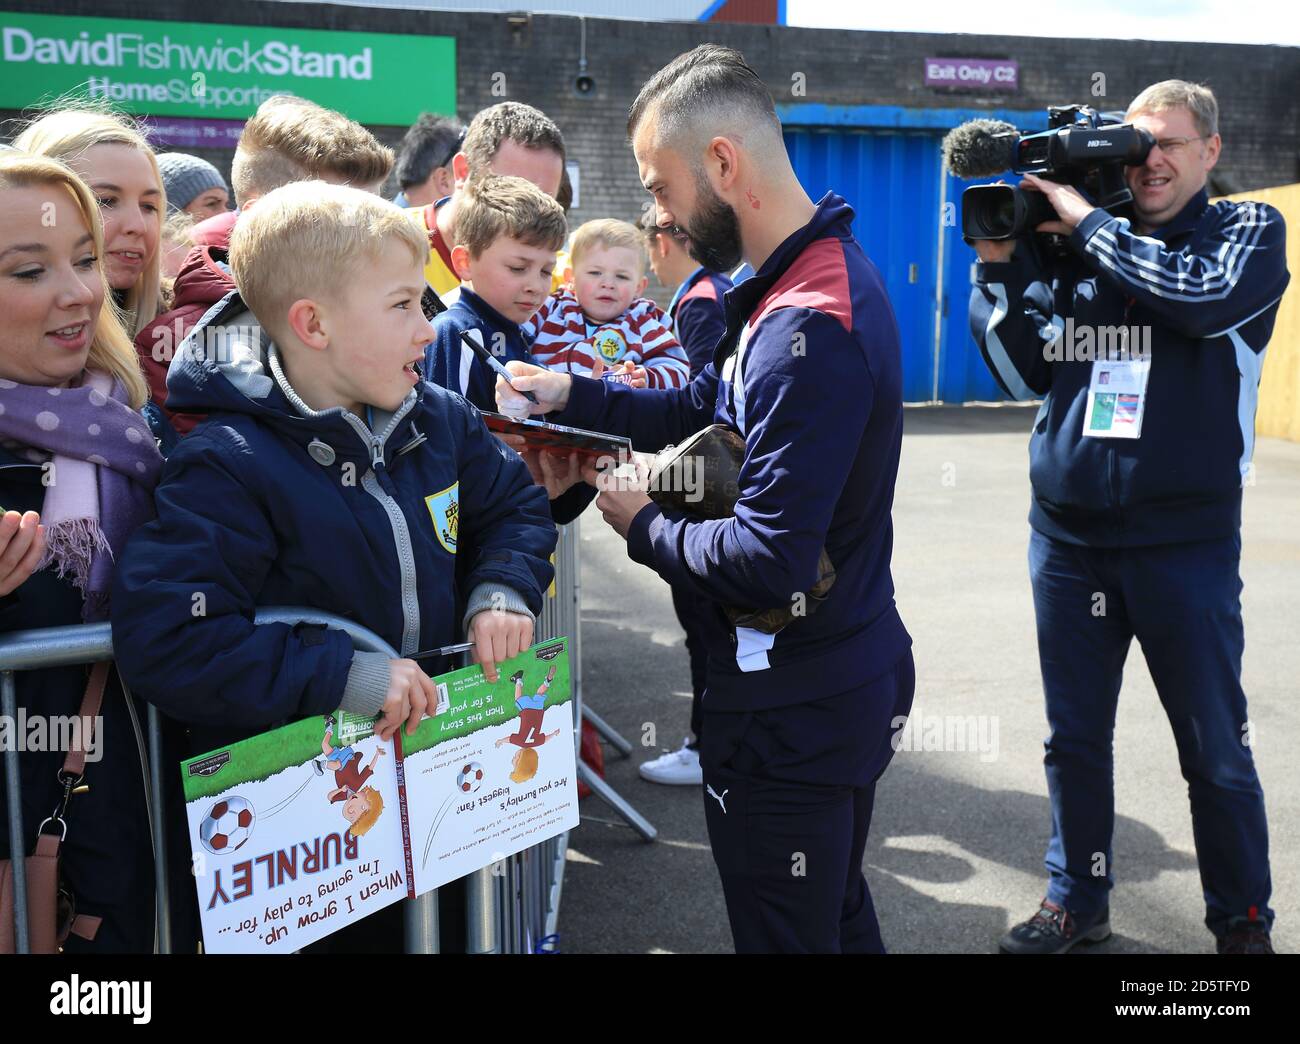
[980,148]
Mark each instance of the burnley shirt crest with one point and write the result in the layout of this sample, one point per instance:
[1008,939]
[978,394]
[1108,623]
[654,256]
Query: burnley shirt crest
[444,508]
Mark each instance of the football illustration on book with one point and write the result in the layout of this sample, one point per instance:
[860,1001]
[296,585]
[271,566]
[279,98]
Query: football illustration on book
[299,831]
[496,773]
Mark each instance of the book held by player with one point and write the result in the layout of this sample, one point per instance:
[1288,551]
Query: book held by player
[556,438]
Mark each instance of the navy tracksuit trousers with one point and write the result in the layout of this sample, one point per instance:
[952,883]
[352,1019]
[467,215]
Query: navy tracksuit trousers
[788,797]
[1182,603]
[688,606]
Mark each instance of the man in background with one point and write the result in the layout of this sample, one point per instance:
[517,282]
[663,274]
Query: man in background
[424,170]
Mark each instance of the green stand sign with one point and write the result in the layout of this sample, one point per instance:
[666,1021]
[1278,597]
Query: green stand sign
[223,71]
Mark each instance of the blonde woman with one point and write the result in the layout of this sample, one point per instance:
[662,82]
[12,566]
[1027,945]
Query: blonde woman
[113,158]
[78,466]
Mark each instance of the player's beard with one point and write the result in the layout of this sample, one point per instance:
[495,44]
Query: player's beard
[714,230]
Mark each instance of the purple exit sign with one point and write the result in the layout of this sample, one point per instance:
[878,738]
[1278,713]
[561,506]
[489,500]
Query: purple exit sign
[984,74]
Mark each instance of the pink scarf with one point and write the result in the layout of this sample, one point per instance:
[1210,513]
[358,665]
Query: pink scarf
[103,467]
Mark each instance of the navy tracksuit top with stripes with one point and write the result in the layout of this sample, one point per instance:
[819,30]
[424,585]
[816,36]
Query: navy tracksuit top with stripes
[1205,288]
[809,371]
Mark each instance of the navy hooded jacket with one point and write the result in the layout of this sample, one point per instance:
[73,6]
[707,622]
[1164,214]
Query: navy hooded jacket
[809,371]
[262,506]
[450,363]
[1204,292]
[699,318]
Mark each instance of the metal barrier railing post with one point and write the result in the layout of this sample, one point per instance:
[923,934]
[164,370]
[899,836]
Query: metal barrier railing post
[603,790]
[24,650]
[500,896]
[481,922]
[162,896]
[14,800]
[511,914]
[421,920]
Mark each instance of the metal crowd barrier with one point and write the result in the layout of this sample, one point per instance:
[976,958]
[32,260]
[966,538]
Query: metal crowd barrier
[512,906]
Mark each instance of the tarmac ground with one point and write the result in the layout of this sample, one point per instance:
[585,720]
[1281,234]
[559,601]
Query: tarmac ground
[955,855]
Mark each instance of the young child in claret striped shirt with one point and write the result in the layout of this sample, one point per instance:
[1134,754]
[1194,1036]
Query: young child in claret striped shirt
[604,317]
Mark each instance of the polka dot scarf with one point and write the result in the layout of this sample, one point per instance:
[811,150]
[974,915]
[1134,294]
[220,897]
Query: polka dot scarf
[102,469]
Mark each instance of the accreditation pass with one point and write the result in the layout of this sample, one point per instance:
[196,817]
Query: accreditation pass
[1117,395]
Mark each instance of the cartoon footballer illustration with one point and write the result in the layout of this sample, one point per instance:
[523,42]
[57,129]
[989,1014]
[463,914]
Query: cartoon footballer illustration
[530,733]
[361,804]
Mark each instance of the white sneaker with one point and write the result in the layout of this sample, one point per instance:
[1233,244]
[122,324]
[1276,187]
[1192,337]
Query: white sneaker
[678,768]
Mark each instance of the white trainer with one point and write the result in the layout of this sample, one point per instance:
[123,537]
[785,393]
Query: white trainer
[677,768]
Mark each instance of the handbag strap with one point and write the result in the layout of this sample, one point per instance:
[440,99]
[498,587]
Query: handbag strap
[74,764]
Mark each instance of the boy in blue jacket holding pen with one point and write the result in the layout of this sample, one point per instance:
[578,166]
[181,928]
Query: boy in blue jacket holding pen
[507,233]
[506,237]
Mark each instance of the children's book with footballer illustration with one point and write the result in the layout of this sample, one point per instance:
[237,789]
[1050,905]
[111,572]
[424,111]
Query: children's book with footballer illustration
[302,830]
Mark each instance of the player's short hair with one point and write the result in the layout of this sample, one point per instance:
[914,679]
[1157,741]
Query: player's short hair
[508,121]
[525,765]
[494,205]
[608,232]
[308,239]
[291,139]
[1196,98]
[706,90]
[374,806]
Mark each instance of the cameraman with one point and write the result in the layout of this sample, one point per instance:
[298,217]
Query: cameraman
[1136,524]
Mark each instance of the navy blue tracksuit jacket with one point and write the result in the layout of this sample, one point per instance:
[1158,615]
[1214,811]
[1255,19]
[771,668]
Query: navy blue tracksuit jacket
[808,371]
[699,319]
[1208,286]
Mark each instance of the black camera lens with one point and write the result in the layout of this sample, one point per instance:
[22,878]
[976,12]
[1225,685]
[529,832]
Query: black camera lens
[1001,218]
[988,212]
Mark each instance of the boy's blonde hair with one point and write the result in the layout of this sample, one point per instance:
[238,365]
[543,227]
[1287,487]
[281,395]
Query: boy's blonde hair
[308,239]
[1196,98]
[291,139]
[494,205]
[609,232]
[111,350]
[65,135]
[367,819]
